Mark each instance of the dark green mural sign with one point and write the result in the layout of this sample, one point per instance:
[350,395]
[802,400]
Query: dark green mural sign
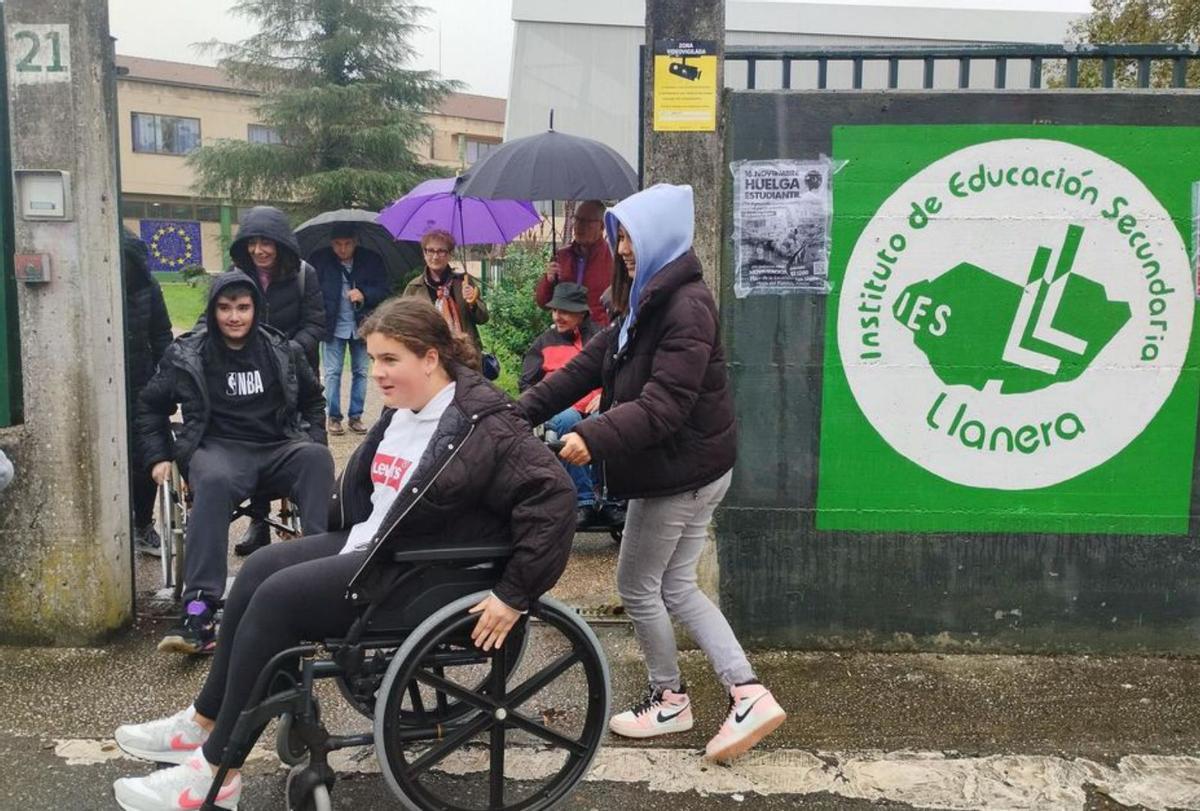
[1010,342]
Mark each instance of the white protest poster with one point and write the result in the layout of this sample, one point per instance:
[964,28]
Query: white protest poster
[781,217]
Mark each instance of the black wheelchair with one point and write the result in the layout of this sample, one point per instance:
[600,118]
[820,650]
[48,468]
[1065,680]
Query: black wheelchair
[454,728]
[616,531]
[174,502]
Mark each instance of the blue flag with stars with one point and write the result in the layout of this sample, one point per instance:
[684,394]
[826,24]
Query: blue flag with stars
[174,244]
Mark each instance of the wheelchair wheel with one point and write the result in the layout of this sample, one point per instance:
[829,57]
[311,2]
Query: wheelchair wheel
[172,527]
[306,791]
[617,534]
[532,735]
[289,746]
[422,703]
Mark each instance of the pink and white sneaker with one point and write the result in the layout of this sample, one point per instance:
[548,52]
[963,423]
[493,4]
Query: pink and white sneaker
[662,712]
[179,788]
[167,740]
[753,715]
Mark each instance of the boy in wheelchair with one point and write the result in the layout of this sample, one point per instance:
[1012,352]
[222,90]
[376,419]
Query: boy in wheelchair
[447,463]
[253,420]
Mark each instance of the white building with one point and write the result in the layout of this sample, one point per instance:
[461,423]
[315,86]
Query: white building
[580,57]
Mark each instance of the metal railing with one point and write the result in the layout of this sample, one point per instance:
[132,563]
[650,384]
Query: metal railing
[1106,65]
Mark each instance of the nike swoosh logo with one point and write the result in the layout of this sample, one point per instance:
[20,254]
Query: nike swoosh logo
[662,719]
[189,801]
[741,716]
[178,744]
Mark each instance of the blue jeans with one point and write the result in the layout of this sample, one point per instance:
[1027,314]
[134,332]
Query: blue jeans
[334,355]
[585,487]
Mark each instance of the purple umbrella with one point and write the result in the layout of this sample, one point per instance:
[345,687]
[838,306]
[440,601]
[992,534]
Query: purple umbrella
[471,220]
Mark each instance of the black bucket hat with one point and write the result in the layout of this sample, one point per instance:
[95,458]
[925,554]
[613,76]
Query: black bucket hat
[569,297]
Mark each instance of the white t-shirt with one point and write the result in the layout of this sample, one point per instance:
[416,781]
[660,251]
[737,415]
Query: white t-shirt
[399,451]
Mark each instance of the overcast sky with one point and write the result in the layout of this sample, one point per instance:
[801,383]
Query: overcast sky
[469,40]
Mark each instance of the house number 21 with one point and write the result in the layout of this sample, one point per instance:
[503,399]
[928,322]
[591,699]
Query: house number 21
[38,54]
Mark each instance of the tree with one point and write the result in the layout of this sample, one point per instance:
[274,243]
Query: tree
[1138,21]
[336,91]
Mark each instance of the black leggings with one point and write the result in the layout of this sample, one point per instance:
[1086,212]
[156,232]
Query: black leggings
[285,593]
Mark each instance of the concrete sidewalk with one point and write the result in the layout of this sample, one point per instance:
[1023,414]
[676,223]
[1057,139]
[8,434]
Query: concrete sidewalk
[866,730]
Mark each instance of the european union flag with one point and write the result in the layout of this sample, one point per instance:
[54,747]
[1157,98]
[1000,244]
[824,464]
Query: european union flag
[174,244]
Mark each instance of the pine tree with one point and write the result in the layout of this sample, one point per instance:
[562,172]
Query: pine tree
[335,87]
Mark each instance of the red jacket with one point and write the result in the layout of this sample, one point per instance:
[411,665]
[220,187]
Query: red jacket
[597,276]
[553,350]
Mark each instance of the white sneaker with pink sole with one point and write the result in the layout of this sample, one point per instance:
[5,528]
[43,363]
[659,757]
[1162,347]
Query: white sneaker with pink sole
[753,715]
[662,712]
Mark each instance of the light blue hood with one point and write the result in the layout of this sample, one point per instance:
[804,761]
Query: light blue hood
[661,222]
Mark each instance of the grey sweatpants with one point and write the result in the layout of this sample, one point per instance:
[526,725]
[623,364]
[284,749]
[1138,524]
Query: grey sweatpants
[224,472]
[656,578]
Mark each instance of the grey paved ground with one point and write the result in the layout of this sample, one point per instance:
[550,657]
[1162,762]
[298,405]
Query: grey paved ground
[865,730]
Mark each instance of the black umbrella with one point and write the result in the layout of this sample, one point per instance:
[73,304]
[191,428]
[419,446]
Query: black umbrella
[550,166]
[402,259]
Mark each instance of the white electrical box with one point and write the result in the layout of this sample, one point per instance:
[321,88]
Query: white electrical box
[44,195]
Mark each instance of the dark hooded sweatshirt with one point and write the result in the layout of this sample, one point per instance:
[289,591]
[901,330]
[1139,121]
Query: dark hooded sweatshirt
[147,324]
[183,378]
[300,316]
[243,387]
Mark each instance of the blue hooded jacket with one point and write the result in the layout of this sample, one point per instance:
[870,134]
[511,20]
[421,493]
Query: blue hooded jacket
[660,222]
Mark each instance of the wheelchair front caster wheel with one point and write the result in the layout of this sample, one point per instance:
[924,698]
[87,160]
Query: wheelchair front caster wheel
[289,745]
[306,791]
[616,533]
[291,750]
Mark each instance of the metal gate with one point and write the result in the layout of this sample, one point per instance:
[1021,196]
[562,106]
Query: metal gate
[833,533]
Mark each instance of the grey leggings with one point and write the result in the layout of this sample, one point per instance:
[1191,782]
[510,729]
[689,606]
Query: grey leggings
[656,578]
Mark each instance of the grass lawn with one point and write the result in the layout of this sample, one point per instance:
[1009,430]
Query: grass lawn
[184,303]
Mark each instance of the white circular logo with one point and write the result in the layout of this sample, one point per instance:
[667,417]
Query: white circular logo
[1015,314]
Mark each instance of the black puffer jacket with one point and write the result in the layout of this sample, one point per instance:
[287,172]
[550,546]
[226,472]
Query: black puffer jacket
[484,479]
[299,317]
[147,324]
[180,380]
[667,421]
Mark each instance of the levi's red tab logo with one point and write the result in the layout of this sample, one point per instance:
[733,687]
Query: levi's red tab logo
[389,470]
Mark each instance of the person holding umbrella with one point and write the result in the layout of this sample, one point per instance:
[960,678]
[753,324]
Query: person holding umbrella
[353,283]
[452,292]
[587,261]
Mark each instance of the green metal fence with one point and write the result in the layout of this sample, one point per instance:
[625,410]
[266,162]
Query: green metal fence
[1052,65]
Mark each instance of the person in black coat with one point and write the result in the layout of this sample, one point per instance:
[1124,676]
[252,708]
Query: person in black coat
[147,336]
[253,417]
[353,282]
[266,250]
[447,463]
[667,437]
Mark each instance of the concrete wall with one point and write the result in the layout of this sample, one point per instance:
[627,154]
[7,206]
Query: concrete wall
[64,530]
[855,520]
[582,59]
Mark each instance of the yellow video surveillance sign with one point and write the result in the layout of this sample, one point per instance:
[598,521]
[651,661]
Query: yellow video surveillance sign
[685,85]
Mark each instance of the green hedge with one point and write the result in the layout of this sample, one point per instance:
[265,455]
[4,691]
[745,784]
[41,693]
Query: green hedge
[516,319]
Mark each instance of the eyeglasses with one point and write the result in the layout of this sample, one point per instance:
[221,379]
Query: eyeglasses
[436,252]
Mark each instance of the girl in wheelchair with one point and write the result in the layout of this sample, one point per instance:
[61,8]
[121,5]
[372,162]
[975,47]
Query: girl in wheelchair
[448,461]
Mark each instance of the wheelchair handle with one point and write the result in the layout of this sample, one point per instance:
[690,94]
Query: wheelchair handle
[556,445]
